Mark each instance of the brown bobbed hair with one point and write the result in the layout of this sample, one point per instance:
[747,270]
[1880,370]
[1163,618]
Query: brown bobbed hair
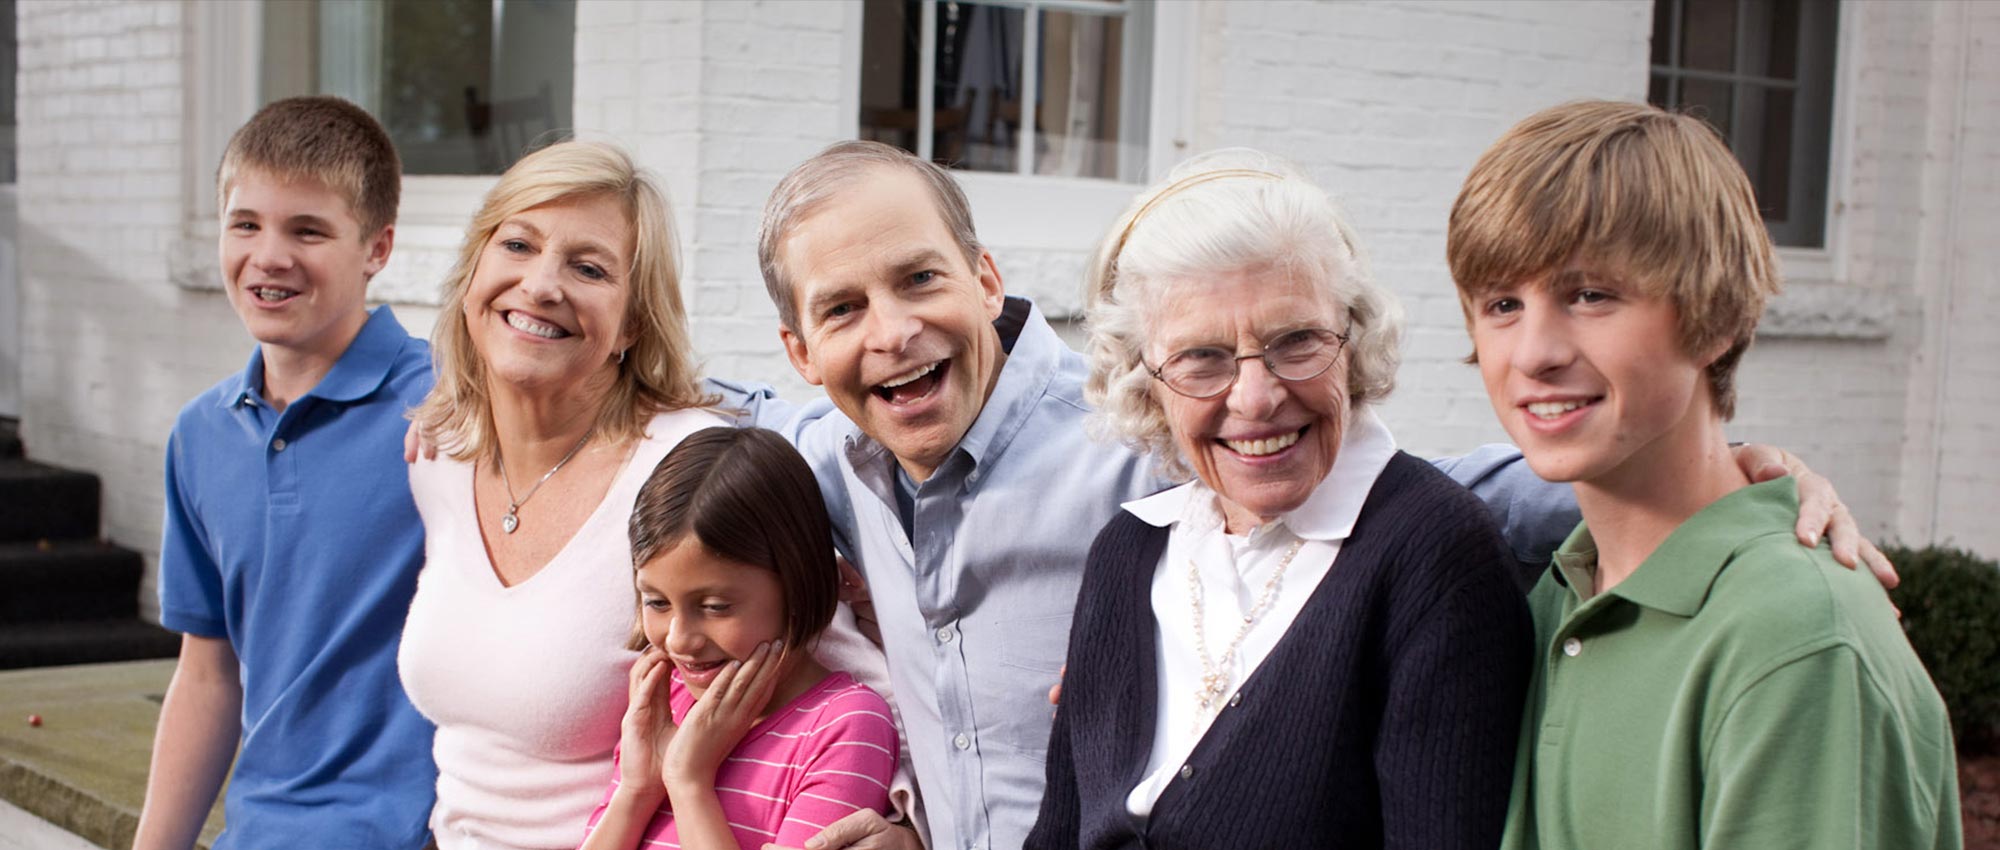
[1650,197]
[748,496]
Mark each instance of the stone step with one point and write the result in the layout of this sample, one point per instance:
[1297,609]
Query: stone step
[40,502]
[68,580]
[25,645]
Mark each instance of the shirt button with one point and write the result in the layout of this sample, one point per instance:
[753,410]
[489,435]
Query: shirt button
[1187,771]
[278,445]
[944,634]
[962,742]
[1572,647]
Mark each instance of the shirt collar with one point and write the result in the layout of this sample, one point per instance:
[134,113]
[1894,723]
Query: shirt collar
[360,370]
[1679,574]
[1328,514]
[1035,353]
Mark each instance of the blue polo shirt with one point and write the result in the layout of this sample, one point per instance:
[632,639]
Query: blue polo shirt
[292,534]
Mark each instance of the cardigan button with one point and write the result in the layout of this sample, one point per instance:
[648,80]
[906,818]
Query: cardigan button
[1187,771]
[1236,699]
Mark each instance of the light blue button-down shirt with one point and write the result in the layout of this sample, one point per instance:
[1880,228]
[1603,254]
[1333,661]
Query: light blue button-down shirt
[975,603]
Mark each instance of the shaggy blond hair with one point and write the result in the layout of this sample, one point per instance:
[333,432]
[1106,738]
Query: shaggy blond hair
[322,140]
[1651,197]
[658,372]
[1222,212]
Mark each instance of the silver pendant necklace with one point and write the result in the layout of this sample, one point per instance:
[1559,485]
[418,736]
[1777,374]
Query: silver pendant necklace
[513,519]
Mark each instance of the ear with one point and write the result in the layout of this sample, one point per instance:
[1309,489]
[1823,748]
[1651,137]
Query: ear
[801,357]
[991,292]
[379,247]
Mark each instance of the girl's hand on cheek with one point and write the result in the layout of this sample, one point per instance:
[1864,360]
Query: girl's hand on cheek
[647,726]
[724,713]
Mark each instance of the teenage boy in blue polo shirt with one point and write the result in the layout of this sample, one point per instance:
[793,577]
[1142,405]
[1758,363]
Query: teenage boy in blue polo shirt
[1701,681]
[291,546]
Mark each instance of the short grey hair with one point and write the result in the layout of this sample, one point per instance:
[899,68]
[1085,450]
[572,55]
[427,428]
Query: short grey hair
[815,181]
[1218,213]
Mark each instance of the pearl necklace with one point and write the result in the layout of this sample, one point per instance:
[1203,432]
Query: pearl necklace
[1215,675]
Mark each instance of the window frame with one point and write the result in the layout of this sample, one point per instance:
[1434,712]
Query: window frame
[225,72]
[1059,214]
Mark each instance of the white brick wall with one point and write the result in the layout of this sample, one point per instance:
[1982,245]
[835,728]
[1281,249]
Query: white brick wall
[110,348]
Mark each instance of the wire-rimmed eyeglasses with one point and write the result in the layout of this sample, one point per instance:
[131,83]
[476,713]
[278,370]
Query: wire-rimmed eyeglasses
[1299,355]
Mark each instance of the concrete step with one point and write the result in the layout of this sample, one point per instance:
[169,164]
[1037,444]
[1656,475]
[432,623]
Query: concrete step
[40,502]
[68,580]
[83,642]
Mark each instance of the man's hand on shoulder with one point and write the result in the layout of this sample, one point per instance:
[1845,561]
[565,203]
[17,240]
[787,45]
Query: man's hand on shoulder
[863,830]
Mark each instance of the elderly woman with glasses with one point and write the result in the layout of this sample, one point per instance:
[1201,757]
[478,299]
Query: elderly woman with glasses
[1317,640]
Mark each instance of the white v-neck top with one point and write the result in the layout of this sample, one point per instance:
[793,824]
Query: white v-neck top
[1233,571]
[525,683]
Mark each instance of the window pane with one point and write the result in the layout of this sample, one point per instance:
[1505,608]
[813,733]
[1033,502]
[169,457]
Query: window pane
[1773,175]
[463,86]
[1663,32]
[978,119]
[1092,85]
[1708,100]
[1708,35]
[1091,110]
[9,61]
[1774,39]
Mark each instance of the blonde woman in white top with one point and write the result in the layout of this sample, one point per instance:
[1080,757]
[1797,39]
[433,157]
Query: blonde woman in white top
[564,374]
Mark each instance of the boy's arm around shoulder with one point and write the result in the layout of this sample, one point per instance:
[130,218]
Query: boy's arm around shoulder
[200,722]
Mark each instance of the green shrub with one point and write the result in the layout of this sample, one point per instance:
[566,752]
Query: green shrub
[1951,610]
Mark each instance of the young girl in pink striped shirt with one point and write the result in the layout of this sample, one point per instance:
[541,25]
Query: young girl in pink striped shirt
[735,736]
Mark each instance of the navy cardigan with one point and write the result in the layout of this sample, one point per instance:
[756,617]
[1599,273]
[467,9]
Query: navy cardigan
[1386,716]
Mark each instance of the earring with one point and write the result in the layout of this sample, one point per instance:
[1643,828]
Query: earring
[621,356]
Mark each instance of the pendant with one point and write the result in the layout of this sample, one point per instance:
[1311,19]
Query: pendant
[509,522]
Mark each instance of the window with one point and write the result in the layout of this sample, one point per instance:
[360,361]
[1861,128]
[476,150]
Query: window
[9,61]
[463,86]
[1760,71]
[946,80]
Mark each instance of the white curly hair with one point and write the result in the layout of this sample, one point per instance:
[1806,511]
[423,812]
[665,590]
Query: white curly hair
[1222,212]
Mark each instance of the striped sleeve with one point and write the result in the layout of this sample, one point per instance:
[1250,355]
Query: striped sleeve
[847,768]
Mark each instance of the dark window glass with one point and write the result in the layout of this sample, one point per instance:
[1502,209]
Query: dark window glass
[463,86]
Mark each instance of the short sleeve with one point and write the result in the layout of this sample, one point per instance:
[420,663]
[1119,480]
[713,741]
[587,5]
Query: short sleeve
[850,767]
[190,578]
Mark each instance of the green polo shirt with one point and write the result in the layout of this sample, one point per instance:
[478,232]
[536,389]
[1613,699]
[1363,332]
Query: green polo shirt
[1736,691]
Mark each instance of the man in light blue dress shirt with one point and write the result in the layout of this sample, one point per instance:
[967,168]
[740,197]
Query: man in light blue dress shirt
[960,477]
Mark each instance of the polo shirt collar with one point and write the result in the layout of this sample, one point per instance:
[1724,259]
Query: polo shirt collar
[1678,576]
[1328,514]
[360,370]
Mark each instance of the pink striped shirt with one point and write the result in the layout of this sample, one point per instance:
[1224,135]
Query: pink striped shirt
[825,754]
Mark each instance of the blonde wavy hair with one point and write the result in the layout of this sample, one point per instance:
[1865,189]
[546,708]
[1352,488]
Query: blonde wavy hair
[1222,212]
[658,371]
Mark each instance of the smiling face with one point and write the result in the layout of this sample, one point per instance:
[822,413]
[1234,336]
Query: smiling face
[296,265]
[546,306]
[1265,443]
[705,610]
[1589,377]
[893,321]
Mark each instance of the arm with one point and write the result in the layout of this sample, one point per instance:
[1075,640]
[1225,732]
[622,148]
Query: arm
[1535,515]
[1812,755]
[620,821]
[709,732]
[847,775]
[200,722]
[1456,682]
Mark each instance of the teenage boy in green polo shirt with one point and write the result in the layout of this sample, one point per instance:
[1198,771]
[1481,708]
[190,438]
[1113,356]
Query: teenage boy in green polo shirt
[1701,680]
